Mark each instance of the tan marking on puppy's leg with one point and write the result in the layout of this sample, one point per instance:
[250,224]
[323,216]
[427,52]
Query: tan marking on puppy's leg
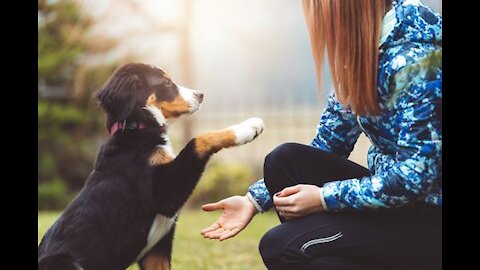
[213,141]
[154,261]
[159,157]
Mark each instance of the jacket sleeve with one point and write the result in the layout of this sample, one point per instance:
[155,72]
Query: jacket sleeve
[416,166]
[259,196]
[337,132]
[338,129]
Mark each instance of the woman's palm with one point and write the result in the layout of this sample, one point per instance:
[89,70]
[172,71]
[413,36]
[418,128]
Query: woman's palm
[238,211]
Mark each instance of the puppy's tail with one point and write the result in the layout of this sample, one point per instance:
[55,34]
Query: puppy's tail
[58,262]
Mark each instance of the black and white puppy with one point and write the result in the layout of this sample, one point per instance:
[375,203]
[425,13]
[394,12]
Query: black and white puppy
[126,211]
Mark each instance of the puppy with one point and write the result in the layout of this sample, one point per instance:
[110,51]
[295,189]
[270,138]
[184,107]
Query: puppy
[127,209]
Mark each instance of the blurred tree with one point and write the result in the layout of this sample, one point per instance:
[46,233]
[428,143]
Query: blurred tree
[70,123]
[60,30]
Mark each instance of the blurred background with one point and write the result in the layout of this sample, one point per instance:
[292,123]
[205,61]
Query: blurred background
[249,57]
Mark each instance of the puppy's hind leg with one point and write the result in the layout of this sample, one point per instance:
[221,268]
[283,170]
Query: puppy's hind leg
[160,256]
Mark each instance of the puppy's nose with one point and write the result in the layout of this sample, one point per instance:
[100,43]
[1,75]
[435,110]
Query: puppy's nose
[199,95]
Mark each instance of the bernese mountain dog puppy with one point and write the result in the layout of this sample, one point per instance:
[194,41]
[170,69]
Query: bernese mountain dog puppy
[127,209]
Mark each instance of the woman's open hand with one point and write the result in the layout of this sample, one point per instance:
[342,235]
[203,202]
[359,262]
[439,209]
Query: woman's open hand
[297,201]
[238,211]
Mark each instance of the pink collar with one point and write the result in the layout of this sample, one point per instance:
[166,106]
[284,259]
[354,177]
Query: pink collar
[123,125]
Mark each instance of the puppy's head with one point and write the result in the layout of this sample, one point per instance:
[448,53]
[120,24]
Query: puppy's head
[136,91]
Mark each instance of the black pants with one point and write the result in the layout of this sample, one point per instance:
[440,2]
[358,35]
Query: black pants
[385,239]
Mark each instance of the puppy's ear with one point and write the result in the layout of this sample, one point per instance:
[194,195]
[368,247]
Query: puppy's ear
[120,94]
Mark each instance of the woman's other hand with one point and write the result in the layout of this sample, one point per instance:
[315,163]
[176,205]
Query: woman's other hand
[297,201]
[238,211]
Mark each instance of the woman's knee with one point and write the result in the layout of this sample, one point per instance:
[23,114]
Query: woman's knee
[271,247]
[278,159]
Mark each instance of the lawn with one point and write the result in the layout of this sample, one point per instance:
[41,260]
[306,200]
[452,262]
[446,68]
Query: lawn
[192,251]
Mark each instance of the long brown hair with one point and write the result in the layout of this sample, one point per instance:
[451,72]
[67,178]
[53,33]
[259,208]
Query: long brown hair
[349,31]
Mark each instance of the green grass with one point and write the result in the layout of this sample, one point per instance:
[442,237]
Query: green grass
[192,251]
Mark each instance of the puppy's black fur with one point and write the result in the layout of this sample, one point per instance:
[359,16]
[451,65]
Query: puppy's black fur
[107,224]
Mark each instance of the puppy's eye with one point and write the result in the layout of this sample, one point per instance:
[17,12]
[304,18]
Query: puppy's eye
[168,83]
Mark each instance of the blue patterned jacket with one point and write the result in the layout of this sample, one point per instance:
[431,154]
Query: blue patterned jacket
[405,159]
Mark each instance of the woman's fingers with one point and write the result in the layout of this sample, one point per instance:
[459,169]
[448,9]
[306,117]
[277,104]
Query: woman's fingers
[215,234]
[279,201]
[289,211]
[228,234]
[286,197]
[212,206]
[222,233]
[284,201]
[212,227]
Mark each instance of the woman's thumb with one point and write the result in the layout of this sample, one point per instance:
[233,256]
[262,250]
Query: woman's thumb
[212,206]
[288,191]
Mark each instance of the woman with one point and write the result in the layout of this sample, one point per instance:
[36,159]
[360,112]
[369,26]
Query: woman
[385,64]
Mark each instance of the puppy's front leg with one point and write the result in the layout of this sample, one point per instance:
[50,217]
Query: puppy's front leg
[213,141]
[180,175]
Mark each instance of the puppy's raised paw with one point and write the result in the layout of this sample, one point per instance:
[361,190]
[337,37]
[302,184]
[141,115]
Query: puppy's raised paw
[247,130]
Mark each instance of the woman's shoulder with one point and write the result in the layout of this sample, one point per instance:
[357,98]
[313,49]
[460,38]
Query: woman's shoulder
[414,60]
[420,79]
[412,69]
[407,54]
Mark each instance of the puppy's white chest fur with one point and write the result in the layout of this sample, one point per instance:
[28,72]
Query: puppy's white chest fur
[160,227]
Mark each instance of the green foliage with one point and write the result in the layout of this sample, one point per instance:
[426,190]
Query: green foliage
[68,141]
[53,195]
[221,180]
[60,29]
[64,128]
[61,114]
[71,126]
[91,80]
